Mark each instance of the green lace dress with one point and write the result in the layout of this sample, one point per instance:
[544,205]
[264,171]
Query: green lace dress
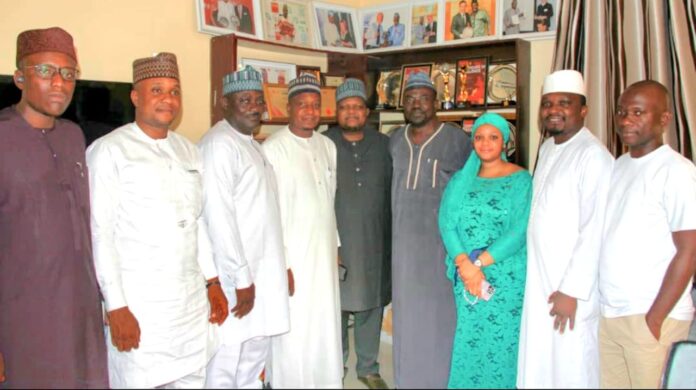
[492,213]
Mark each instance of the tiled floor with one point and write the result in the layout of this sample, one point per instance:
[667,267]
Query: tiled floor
[385,366]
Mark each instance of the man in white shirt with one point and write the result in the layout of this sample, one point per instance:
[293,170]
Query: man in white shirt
[304,161]
[511,19]
[558,334]
[151,249]
[648,254]
[330,30]
[241,211]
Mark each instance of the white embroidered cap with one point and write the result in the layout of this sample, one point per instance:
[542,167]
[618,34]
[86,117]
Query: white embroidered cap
[564,81]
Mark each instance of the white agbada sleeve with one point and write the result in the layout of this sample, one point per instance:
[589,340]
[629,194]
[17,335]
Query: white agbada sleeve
[272,153]
[581,275]
[220,167]
[105,198]
[205,251]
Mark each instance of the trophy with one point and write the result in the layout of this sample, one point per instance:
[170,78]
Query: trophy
[444,72]
[463,95]
[382,91]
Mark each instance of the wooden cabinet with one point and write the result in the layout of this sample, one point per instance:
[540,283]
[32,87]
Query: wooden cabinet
[226,52]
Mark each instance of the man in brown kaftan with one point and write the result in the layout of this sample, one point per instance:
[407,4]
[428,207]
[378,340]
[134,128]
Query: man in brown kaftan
[51,329]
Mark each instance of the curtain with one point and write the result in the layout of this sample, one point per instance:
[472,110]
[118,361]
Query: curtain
[615,43]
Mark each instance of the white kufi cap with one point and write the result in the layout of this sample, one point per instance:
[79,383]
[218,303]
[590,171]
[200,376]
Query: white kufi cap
[564,81]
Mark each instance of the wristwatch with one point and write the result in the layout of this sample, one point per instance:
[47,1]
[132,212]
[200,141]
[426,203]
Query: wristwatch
[478,262]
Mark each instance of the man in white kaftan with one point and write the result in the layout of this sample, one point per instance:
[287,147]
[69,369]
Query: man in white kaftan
[151,249]
[242,215]
[310,355]
[571,183]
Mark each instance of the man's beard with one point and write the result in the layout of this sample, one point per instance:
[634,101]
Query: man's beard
[351,129]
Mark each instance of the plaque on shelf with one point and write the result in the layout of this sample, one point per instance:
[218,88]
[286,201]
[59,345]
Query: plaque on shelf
[443,77]
[471,82]
[388,88]
[502,84]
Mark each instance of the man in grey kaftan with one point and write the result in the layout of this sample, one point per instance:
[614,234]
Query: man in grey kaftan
[364,224]
[425,154]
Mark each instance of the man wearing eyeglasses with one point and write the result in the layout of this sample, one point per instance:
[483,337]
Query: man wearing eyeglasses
[242,213]
[51,332]
[363,215]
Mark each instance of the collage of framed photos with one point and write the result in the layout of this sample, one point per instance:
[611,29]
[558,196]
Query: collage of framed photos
[403,24]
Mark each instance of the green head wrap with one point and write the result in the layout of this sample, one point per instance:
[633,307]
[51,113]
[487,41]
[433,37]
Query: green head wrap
[473,164]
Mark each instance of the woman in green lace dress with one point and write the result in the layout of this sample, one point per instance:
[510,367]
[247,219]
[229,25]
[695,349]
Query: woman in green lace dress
[483,223]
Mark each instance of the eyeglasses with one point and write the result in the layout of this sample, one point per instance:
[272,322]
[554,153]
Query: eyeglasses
[47,71]
[248,102]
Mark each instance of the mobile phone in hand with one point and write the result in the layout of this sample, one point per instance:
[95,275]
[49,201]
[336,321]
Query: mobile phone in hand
[487,290]
[342,272]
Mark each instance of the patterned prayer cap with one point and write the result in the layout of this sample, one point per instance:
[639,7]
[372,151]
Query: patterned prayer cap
[41,40]
[419,80]
[351,88]
[159,65]
[304,83]
[247,79]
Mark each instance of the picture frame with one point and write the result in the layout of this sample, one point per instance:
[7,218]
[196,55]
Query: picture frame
[276,96]
[328,103]
[388,88]
[333,81]
[407,71]
[313,70]
[388,127]
[272,72]
[471,82]
[287,22]
[502,84]
[460,27]
[424,23]
[220,17]
[524,18]
[375,33]
[336,27]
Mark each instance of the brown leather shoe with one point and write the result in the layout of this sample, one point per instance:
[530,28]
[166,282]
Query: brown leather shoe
[373,381]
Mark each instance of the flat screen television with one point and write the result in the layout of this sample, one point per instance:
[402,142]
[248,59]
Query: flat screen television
[97,106]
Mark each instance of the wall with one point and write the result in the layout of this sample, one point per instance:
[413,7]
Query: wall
[110,34]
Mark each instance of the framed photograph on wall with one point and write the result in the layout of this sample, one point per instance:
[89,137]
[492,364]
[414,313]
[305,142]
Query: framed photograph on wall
[385,27]
[424,23]
[287,21]
[407,71]
[272,72]
[471,82]
[336,28]
[466,20]
[276,96]
[219,17]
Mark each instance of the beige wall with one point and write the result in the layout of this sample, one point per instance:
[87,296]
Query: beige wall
[541,60]
[110,34]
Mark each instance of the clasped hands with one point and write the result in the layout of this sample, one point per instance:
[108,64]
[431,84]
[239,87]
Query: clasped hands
[471,275]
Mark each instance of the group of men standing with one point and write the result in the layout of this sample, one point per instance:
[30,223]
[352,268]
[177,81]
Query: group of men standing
[294,237]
